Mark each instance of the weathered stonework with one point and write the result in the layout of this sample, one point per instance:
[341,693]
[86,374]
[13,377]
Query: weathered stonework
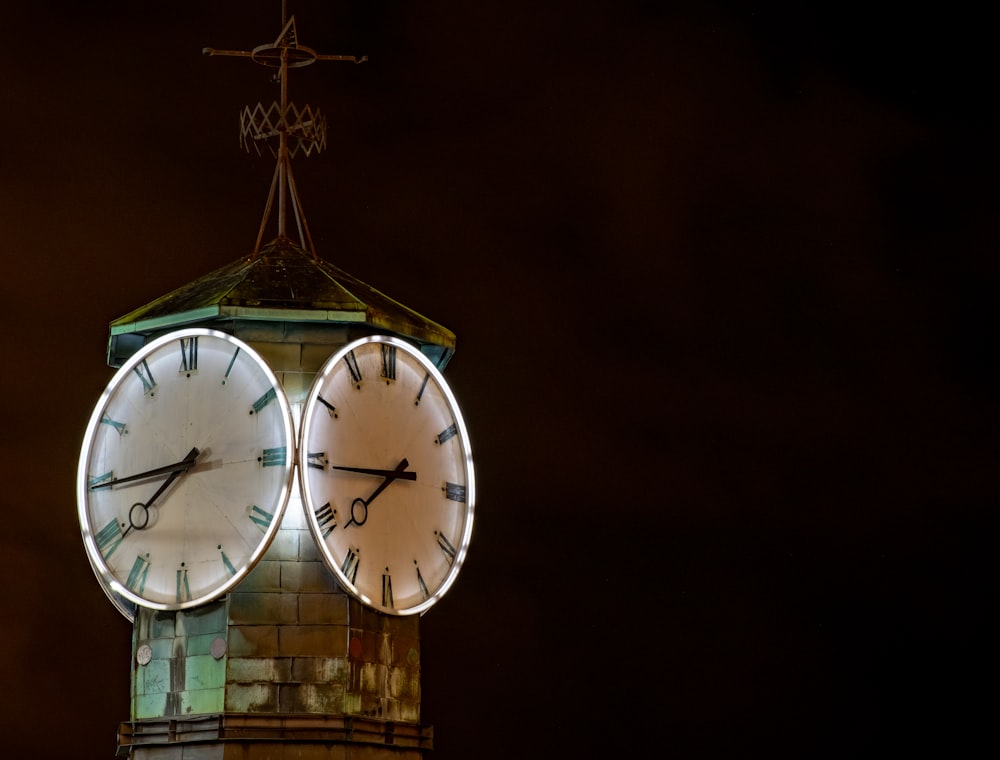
[231,678]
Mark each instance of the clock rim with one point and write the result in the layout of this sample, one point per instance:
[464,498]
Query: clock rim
[114,588]
[126,607]
[308,410]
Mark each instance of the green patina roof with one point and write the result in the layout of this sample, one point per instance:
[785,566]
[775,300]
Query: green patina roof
[282,282]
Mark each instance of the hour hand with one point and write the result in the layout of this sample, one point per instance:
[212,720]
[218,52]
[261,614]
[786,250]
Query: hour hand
[360,506]
[396,474]
[177,467]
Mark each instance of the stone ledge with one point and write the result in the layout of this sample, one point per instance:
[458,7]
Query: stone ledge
[287,729]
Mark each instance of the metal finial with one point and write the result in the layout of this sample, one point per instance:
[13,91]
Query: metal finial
[294,130]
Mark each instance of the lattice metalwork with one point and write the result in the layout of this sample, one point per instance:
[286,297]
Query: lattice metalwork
[284,128]
[262,127]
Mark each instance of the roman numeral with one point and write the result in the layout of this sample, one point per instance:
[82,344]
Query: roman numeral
[183,588]
[231,363]
[352,366]
[119,426]
[326,518]
[260,517]
[274,457]
[445,546]
[388,364]
[423,386]
[454,491]
[387,589]
[108,539]
[189,354]
[264,400]
[420,582]
[446,434]
[315,459]
[330,408]
[148,383]
[99,480]
[350,565]
[137,576]
[225,561]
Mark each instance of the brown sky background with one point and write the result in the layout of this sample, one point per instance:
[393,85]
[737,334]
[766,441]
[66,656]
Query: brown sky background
[724,282]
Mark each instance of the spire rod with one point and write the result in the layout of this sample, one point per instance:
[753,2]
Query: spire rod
[285,129]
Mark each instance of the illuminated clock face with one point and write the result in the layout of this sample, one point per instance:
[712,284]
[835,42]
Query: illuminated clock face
[185,470]
[386,474]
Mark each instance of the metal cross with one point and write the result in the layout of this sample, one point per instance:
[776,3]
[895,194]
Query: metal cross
[282,120]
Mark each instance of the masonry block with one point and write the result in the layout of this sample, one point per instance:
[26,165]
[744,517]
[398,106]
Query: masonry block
[308,550]
[250,669]
[162,649]
[401,652]
[253,641]
[202,644]
[149,705]
[319,670]
[409,711]
[370,677]
[376,646]
[153,678]
[400,683]
[314,355]
[295,516]
[201,620]
[307,578]
[284,546]
[282,357]
[329,609]
[362,617]
[204,671]
[313,640]
[352,702]
[405,652]
[160,624]
[311,698]
[296,385]
[259,608]
[202,701]
[254,697]
[389,708]
[266,576]
[371,706]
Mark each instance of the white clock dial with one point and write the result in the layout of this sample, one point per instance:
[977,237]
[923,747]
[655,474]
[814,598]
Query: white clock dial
[386,474]
[185,469]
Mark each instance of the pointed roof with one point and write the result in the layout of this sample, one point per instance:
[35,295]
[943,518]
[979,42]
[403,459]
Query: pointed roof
[282,281]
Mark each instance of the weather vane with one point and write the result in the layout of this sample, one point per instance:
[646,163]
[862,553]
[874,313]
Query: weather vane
[284,128]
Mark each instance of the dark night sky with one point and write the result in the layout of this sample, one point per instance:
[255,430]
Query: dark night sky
[724,284]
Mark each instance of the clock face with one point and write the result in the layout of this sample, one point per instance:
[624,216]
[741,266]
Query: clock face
[386,475]
[185,470]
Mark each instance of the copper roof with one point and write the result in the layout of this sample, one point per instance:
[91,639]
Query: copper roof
[285,282]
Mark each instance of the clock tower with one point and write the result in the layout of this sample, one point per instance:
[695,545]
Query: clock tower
[228,481]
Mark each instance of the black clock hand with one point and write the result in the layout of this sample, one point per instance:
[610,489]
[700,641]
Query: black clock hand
[181,466]
[189,459]
[390,475]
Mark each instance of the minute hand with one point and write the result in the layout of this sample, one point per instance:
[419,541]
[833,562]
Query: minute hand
[396,474]
[185,464]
